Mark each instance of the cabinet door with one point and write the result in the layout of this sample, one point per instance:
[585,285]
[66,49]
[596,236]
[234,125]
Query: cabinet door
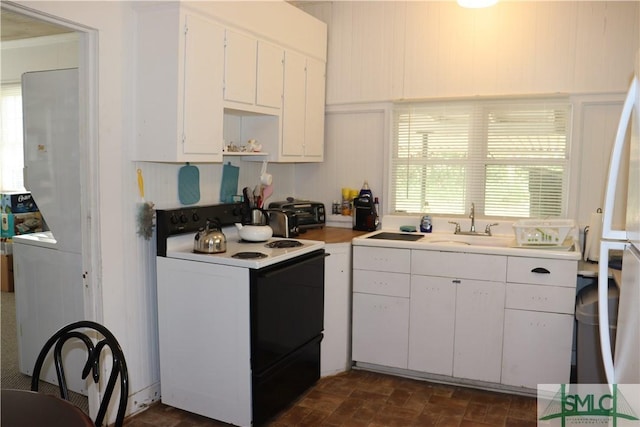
[315,106]
[380,330]
[203,79]
[270,75]
[478,330]
[293,114]
[240,68]
[433,304]
[335,351]
[537,348]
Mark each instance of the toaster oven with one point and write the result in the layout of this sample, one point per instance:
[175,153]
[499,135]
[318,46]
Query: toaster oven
[308,214]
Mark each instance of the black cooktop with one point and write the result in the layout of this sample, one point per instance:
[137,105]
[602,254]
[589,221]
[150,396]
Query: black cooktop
[397,236]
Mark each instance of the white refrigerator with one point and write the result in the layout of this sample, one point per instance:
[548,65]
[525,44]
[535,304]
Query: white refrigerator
[623,366]
[48,266]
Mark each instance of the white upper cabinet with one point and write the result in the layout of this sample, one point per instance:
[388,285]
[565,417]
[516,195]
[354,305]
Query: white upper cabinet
[240,59]
[253,74]
[314,109]
[293,115]
[303,109]
[202,107]
[179,108]
[270,74]
[213,73]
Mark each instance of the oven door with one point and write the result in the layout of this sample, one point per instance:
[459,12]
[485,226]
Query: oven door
[287,308]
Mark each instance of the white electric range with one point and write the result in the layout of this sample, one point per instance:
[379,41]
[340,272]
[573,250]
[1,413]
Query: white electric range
[239,337]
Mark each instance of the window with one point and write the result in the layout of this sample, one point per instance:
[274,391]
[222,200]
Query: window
[509,157]
[11,154]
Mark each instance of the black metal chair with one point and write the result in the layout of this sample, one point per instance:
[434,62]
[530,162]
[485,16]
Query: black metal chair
[93,361]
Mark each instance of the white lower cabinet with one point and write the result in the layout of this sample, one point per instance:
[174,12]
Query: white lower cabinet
[335,350]
[380,306]
[537,348]
[481,318]
[380,329]
[539,320]
[457,320]
[432,323]
[478,331]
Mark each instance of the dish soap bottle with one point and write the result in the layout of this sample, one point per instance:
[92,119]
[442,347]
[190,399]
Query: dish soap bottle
[426,223]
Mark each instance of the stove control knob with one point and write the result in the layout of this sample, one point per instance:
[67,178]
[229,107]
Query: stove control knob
[195,217]
[173,219]
[183,218]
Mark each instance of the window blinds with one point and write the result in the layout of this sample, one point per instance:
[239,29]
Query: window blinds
[509,157]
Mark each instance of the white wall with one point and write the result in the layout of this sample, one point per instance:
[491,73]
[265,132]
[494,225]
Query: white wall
[385,51]
[37,54]
[380,51]
[121,265]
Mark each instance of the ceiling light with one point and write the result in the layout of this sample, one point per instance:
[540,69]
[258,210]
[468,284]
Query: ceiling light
[476,4]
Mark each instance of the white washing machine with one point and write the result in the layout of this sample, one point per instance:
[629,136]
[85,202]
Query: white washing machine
[49,295]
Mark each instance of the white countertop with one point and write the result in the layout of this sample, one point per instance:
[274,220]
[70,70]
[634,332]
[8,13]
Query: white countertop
[500,244]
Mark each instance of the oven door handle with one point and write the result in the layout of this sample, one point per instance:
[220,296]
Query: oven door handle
[279,270]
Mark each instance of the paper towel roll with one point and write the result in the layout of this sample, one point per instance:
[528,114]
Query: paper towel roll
[592,246]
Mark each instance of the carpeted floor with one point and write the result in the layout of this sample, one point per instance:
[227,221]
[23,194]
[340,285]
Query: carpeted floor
[10,376]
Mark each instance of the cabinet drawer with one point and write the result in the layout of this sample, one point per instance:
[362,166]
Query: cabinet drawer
[539,271]
[459,265]
[553,299]
[381,259]
[382,283]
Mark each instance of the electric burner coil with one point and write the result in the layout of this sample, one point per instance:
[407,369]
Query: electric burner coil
[249,255]
[283,244]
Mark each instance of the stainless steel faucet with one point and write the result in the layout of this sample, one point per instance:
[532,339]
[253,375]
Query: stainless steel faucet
[472,231]
[472,215]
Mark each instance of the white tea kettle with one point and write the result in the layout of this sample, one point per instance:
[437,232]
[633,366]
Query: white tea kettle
[254,233]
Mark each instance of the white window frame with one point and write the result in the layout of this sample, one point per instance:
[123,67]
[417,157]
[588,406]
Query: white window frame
[474,188]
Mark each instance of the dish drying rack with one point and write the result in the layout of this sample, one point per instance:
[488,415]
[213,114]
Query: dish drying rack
[548,232]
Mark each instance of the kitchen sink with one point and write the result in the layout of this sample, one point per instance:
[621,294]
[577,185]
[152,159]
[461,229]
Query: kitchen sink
[455,239]
[397,236]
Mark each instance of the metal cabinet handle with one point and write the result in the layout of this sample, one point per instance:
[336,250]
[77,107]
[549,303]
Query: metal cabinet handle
[540,270]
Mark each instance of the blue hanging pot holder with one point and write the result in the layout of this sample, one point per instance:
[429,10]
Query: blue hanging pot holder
[189,184]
